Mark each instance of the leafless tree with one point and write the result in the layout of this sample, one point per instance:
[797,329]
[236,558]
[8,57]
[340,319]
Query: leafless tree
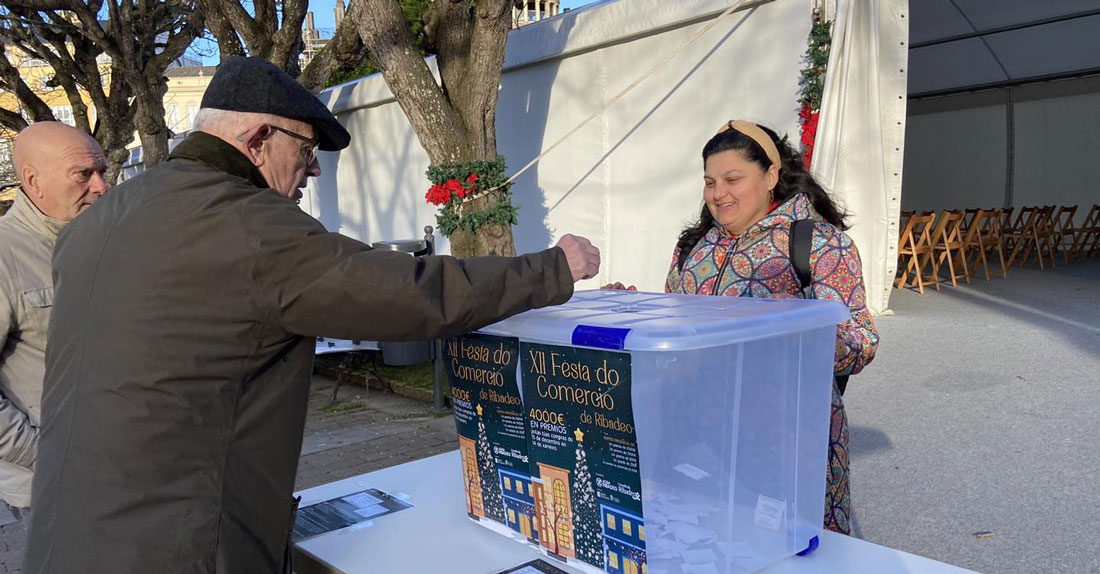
[142,38]
[272,31]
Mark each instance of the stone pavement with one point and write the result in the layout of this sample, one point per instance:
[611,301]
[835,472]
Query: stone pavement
[369,432]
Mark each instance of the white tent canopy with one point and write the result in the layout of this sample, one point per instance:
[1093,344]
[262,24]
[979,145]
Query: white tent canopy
[958,45]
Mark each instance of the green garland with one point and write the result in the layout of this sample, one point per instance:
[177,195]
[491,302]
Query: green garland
[455,185]
[812,81]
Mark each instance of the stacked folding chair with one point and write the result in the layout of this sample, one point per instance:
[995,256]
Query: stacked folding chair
[915,249]
[947,246]
[1086,239]
[1063,231]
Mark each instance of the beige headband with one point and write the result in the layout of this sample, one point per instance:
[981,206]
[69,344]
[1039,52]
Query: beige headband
[759,136]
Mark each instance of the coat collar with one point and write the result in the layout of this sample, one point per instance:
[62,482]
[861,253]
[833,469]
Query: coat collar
[218,154]
[795,208]
[27,213]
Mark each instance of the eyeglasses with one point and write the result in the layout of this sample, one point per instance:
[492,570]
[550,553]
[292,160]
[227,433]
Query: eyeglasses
[312,142]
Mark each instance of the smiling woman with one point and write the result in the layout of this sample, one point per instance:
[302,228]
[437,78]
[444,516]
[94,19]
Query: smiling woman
[755,189]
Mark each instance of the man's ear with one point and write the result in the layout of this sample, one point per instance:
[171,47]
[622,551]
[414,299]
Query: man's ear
[254,140]
[31,184]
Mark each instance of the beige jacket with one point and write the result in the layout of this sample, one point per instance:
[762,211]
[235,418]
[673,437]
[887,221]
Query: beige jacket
[27,238]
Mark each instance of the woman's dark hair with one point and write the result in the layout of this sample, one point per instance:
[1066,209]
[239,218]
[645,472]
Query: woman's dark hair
[793,180]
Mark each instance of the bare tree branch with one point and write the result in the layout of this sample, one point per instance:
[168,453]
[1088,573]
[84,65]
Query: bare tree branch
[343,49]
[12,120]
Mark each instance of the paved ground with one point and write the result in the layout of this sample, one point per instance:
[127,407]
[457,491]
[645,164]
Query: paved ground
[980,413]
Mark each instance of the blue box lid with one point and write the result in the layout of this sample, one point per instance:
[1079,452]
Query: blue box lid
[636,321]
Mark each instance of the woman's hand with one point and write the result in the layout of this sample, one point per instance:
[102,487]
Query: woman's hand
[616,286]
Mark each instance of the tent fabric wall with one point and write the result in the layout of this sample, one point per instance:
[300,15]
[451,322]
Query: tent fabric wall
[958,148]
[955,159]
[629,180]
[861,132]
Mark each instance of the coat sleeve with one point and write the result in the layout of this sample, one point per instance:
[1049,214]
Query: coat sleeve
[674,279]
[318,283]
[18,436]
[838,276]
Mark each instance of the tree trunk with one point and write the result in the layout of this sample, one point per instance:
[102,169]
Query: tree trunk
[151,125]
[455,121]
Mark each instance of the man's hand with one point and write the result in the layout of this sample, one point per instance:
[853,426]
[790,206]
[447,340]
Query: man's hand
[616,286]
[583,257]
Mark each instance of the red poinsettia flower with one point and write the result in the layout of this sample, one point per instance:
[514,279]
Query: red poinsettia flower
[438,195]
[472,178]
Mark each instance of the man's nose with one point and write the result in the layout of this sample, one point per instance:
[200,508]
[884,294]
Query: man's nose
[314,168]
[98,184]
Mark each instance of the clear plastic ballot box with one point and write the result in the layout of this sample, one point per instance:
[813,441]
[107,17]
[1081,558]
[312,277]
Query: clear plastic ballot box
[642,432]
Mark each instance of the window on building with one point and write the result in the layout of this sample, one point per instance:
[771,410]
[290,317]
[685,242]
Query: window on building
[612,559]
[173,118]
[641,533]
[192,111]
[507,483]
[511,515]
[611,522]
[627,530]
[559,492]
[519,487]
[63,114]
[563,533]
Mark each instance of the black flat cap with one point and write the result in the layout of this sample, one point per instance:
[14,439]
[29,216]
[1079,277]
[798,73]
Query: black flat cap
[255,85]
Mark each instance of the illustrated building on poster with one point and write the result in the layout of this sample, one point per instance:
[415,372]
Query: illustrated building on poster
[474,505]
[554,511]
[519,503]
[624,541]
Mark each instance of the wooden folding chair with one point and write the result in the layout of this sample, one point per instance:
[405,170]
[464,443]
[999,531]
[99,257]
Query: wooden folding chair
[1063,230]
[1011,228]
[991,241]
[914,247]
[1088,234]
[1032,235]
[1006,219]
[947,245]
[969,215]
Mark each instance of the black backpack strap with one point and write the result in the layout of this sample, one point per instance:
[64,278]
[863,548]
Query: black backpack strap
[800,245]
[802,234]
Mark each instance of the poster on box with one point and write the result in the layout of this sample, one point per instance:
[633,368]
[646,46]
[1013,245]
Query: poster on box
[492,432]
[584,456]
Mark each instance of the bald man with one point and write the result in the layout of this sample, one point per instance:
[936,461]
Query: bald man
[60,172]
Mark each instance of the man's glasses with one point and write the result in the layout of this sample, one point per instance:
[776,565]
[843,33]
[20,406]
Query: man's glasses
[312,142]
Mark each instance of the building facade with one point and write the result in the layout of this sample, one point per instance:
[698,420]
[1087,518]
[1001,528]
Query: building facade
[533,11]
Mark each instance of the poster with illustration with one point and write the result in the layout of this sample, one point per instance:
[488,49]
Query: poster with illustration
[492,432]
[584,456]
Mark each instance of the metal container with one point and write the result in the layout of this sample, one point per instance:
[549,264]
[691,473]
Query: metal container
[416,352]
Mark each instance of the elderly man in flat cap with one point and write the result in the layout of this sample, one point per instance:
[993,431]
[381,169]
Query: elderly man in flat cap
[182,341]
[60,171]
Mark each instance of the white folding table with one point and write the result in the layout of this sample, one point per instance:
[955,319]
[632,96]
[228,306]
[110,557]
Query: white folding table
[435,536]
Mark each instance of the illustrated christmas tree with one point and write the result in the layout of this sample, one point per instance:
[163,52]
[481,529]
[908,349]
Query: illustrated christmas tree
[487,468]
[587,537]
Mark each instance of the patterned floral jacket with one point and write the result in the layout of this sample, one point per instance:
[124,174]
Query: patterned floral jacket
[757,265]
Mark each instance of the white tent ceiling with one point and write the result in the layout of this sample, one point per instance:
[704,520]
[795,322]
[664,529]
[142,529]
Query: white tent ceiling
[961,45]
